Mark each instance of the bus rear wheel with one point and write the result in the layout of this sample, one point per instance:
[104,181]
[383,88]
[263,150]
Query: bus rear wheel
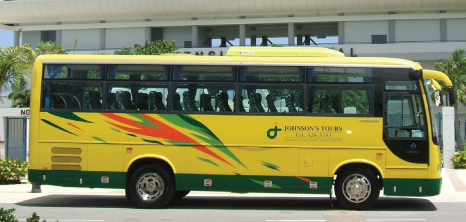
[357,189]
[150,186]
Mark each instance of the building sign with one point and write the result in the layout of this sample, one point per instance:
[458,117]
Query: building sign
[204,51]
[223,51]
[14,112]
[351,52]
[25,112]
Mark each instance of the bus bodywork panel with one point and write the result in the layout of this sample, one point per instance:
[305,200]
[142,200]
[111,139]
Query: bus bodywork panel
[211,152]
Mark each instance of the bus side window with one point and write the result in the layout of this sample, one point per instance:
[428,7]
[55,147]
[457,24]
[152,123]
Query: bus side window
[204,97]
[271,104]
[344,100]
[155,101]
[92,100]
[189,101]
[404,116]
[252,101]
[206,102]
[92,96]
[111,102]
[272,99]
[176,102]
[123,99]
[290,103]
[150,96]
[59,95]
[143,101]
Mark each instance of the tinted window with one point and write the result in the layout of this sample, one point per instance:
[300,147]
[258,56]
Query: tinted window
[73,71]
[340,100]
[339,75]
[138,72]
[204,73]
[271,74]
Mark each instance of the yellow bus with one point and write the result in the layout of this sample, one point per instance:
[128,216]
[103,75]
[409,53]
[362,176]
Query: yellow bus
[270,120]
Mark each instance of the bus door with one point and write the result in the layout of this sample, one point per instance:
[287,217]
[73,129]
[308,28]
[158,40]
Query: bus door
[405,131]
[405,134]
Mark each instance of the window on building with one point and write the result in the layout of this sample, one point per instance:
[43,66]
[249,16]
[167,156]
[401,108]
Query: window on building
[379,39]
[46,36]
[156,34]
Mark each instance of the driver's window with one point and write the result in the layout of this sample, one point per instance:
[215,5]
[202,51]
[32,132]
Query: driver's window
[404,116]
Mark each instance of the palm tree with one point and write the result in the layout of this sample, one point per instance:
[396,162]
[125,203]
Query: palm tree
[15,63]
[20,95]
[455,69]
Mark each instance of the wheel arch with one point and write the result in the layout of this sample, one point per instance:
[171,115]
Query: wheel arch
[364,164]
[149,159]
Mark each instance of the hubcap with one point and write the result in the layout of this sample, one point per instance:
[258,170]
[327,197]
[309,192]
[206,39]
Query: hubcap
[356,188]
[150,186]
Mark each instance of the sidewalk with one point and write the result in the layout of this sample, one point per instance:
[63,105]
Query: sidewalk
[453,189]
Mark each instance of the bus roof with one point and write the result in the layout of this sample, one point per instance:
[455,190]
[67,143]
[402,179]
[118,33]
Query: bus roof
[283,52]
[327,61]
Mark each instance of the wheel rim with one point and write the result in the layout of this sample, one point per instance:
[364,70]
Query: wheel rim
[356,188]
[150,186]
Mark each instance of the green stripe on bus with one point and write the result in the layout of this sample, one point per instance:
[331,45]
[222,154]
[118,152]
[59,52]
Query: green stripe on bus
[412,187]
[92,179]
[232,183]
[251,183]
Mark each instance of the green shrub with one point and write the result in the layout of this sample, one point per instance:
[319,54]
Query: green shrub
[34,218]
[150,48]
[459,159]
[7,216]
[11,170]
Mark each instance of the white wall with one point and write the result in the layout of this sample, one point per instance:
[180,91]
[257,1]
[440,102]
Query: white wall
[456,30]
[124,37]
[418,51]
[202,38]
[10,112]
[31,37]
[179,34]
[6,102]
[87,39]
[361,32]
[417,30]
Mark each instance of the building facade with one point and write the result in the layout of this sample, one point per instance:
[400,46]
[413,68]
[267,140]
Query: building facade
[426,31]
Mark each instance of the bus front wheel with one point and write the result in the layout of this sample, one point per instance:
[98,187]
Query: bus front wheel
[150,186]
[357,189]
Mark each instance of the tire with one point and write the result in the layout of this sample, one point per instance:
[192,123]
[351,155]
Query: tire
[357,189]
[179,194]
[150,186]
[127,197]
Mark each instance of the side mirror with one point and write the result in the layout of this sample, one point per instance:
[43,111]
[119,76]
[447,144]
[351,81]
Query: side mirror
[452,96]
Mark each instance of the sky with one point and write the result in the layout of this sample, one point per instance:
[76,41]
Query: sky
[6,38]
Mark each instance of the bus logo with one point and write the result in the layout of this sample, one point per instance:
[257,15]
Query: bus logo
[273,132]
